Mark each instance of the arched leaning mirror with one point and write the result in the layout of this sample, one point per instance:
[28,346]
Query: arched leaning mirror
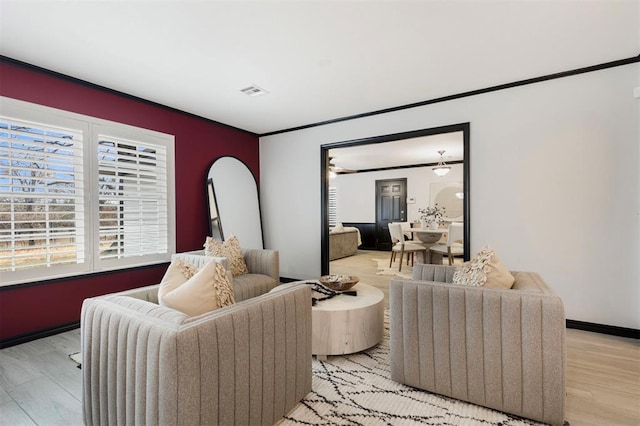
[234,206]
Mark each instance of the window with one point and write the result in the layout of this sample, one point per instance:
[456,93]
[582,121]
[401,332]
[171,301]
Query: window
[41,196]
[132,198]
[80,194]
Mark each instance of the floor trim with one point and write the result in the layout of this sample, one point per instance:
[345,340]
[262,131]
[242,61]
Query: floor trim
[39,334]
[285,280]
[612,330]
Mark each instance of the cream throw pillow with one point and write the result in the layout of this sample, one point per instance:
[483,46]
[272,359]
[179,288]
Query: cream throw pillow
[178,272]
[207,290]
[231,250]
[485,269]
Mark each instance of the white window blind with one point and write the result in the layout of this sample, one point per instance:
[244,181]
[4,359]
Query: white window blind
[41,195]
[333,206]
[132,198]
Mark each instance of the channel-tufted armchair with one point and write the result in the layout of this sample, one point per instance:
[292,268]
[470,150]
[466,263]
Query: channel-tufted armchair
[500,348]
[248,363]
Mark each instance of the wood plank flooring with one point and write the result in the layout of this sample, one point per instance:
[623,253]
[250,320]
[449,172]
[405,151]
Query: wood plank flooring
[40,385]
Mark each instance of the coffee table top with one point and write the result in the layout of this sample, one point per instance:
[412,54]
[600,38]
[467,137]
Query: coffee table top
[367,296]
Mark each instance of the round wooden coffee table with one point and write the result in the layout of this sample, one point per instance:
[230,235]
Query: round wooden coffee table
[347,324]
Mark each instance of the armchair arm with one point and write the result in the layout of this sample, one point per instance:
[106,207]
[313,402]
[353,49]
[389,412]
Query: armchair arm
[504,349]
[263,261]
[148,293]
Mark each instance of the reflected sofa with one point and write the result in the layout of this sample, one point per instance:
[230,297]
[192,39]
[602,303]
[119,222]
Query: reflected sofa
[343,242]
[503,349]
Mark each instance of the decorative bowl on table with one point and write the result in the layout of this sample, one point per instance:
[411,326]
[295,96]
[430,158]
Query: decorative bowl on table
[339,282]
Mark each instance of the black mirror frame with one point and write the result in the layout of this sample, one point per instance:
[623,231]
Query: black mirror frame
[215,224]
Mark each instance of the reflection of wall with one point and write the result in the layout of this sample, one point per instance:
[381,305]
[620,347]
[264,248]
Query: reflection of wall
[449,196]
[552,179]
[356,192]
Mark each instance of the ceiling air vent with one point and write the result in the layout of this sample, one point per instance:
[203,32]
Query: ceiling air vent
[254,90]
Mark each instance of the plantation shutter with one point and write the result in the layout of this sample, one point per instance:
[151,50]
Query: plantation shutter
[41,195]
[132,198]
[333,206]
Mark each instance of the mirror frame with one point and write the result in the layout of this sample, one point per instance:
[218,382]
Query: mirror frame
[465,128]
[211,191]
[215,225]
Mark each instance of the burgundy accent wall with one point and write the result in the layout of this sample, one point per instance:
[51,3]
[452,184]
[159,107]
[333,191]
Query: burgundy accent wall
[198,142]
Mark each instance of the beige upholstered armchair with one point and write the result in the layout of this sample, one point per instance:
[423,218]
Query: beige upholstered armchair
[503,349]
[248,363]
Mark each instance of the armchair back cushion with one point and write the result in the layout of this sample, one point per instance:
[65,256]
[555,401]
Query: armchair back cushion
[263,266]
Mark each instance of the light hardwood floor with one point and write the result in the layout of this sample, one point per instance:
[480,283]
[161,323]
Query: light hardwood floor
[40,385]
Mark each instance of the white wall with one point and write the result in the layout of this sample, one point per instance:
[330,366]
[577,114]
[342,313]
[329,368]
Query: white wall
[555,186]
[357,192]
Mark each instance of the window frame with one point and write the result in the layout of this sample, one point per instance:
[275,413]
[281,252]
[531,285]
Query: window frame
[90,127]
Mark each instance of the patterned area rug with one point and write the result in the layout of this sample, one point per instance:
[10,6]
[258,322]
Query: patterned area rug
[77,358]
[383,268]
[357,390]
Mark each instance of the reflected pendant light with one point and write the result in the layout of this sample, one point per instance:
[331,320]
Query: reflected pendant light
[441,169]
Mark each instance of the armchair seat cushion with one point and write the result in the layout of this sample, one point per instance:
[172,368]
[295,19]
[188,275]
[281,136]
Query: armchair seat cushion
[252,285]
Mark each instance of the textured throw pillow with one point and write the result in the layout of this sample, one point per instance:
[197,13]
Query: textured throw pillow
[485,269]
[178,272]
[231,250]
[207,290]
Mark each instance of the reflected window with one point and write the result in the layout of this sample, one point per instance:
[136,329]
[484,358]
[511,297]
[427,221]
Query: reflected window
[333,206]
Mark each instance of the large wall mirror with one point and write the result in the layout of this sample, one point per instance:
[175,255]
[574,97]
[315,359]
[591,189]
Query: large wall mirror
[234,205]
[356,165]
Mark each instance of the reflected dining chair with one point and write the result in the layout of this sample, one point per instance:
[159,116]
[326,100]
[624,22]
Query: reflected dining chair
[401,246]
[406,230]
[455,243]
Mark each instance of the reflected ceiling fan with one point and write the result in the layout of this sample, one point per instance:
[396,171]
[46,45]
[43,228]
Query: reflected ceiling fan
[337,170]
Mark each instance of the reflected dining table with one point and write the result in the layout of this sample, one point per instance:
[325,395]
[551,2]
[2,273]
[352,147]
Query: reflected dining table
[429,237]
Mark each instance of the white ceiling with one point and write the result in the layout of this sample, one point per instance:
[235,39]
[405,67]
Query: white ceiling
[318,60]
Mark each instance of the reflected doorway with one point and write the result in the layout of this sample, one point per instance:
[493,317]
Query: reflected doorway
[391,206]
